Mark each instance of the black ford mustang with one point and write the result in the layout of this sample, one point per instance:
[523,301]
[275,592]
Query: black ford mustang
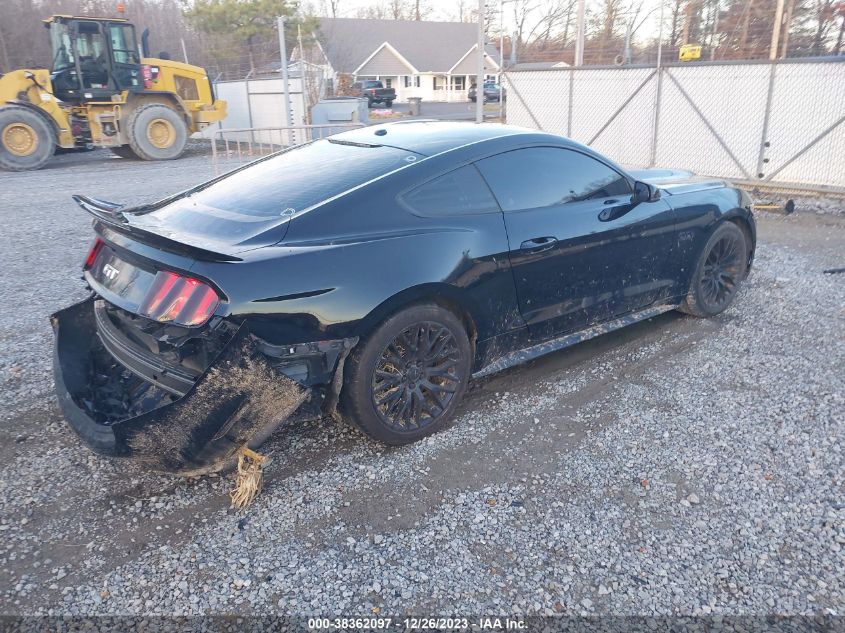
[374,272]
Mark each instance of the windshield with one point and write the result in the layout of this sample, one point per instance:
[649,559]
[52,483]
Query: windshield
[254,199]
[62,48]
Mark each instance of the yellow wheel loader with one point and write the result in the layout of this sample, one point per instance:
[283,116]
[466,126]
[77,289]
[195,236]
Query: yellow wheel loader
[101,92]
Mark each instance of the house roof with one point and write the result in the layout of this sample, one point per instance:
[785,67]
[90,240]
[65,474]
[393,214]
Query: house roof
[538,65]
[427,46]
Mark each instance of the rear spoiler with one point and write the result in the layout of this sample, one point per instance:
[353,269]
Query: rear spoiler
[110,214]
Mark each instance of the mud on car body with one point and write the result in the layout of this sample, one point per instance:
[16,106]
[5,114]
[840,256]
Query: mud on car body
[373,272]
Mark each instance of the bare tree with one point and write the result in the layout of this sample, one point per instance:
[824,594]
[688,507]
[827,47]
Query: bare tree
[330,7]
[522,9]
[840,39]
[824,16]
[552,26]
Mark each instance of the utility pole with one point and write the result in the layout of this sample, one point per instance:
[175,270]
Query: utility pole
[656,120]
[479,80]
[280,22]
[773,50]
[579,34]
[660,35]
[184,50]
[501,59]
[787,25]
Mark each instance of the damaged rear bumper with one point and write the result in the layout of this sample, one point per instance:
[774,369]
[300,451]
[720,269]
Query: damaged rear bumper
[172,420]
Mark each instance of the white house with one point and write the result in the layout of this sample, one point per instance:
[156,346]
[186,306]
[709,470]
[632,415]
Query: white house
[432,60]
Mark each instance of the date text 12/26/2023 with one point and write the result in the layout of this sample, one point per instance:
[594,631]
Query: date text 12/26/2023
[417,623]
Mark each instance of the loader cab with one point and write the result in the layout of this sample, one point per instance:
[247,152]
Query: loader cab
[93,59]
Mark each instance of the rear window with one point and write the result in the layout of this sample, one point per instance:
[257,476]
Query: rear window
[248,201]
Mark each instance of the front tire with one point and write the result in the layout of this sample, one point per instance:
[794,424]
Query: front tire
[157,132]
[26,140]
[124,151]
[405,380]
[388,104]
[721,267]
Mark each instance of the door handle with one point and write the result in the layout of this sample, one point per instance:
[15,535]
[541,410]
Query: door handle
[613,212]
[538,244]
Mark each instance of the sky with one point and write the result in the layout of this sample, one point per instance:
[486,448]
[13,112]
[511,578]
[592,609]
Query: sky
[448,10]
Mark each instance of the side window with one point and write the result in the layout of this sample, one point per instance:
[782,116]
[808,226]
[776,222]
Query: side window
[123,44]
[547,176]
[460,192]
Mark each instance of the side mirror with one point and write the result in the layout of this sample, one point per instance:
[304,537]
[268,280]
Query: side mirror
[644,192]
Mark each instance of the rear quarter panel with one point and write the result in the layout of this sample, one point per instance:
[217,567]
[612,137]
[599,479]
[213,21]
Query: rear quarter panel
[348,264]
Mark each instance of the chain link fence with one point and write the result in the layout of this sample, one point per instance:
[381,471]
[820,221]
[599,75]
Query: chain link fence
[233,147]
[779,124]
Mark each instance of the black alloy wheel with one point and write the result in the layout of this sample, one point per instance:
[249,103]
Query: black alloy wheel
[404,381]
[416,376]
[719,277]
[720,269]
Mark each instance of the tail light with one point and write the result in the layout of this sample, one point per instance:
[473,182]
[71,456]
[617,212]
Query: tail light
[92,254]
[177,299]
[147,75]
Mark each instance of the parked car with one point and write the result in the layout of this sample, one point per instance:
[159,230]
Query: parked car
[377,271]
[492,92]
[375,92]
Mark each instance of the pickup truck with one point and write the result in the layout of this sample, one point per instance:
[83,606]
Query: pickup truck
[375,92]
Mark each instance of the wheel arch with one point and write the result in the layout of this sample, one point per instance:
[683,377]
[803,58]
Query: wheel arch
[137,100]
[745,226]
[51,122]
[444,295]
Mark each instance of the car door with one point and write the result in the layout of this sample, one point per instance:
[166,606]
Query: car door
[581,252]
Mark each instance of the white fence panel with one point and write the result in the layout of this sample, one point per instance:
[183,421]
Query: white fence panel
[781,123]
[711,118]
[258,103]
[613,112]
[808,99]
[548,111]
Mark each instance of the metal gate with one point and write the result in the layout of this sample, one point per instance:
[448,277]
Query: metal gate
[779,124]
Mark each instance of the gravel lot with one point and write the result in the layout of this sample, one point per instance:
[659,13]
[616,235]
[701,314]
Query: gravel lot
[680,466]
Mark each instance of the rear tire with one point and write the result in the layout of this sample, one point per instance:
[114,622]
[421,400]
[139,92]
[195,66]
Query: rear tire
[124,151]
[405,380]
[157,132]
[721,267]
[388,104]
[26,139]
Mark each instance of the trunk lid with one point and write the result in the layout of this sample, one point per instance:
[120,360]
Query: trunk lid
[119,278]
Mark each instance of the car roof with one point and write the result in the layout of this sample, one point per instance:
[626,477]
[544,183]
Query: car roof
[430,137]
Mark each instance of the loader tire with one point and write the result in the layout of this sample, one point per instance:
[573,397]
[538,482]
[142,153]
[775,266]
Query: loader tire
[26,140]
[157,132]
[124,151]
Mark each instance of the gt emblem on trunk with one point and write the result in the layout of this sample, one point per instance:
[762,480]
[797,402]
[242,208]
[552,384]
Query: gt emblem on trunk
[110,272]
